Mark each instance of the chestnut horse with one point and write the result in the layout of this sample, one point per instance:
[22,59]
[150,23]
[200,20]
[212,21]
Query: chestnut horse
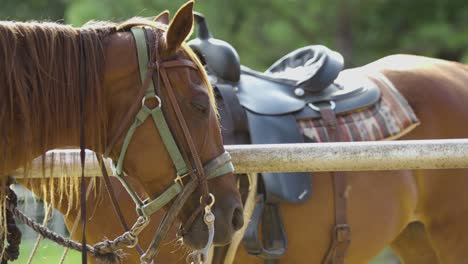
[421,214]
[43,75]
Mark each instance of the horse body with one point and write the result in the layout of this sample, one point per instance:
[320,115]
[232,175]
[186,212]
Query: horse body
[384,207]
[382,204]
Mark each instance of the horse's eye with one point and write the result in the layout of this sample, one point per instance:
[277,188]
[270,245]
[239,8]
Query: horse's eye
[199,105]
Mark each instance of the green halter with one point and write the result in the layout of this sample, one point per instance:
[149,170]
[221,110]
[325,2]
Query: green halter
[217,167]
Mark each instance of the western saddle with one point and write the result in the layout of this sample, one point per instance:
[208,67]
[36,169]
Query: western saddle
[263,108]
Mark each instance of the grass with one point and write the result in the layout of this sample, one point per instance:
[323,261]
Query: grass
[48,252]
[385,257]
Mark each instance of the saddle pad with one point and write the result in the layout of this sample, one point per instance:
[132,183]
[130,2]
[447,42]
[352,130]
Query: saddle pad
[389,119]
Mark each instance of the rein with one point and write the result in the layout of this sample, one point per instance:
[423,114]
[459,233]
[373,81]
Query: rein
[84,256]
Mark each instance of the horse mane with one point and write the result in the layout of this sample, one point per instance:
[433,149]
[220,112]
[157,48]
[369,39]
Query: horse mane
[40,77]
[40,65]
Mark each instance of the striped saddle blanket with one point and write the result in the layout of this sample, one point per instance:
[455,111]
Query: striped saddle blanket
[389,119]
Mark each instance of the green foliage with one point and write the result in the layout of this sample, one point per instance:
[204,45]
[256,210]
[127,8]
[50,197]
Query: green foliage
[32,9]
[47,252]
[264,30]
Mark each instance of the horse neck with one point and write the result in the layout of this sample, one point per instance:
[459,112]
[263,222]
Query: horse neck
[39,100]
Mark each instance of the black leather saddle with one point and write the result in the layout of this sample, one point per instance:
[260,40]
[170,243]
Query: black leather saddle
[264,95]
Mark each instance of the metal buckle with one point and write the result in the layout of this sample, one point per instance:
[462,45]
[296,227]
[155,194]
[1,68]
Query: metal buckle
[179,179]
[317,109]
[342,232]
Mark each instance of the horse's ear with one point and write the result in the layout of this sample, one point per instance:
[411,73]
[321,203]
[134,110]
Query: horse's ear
[163,17]
[179,29]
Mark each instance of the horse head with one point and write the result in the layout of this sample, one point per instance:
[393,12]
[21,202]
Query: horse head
[166,159]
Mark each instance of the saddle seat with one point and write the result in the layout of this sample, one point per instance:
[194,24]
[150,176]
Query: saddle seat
[263,94]
[312,68]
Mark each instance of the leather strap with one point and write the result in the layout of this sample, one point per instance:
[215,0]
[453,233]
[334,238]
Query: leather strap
[151,74]
[234,111]
[341,233]
[156,113]
[82,80]
[113,198]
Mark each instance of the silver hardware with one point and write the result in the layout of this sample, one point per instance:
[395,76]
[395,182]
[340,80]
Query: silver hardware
[200,256]
[155,97]
[299,92]
[316,108]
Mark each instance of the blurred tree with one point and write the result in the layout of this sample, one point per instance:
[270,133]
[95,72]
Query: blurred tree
[264,30]
[33,10]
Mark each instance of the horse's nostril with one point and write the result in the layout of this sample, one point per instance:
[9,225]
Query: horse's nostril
[237,219]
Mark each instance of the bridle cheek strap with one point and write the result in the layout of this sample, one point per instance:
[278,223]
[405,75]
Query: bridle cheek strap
[219,166]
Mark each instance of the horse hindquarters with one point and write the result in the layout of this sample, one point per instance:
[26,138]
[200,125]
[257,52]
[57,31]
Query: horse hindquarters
[438,93]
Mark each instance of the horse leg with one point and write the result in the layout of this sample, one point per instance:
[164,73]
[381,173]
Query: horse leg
[413,245]
[444,212]
[380,206]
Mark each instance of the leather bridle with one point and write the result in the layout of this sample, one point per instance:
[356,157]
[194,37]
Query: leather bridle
[152,73]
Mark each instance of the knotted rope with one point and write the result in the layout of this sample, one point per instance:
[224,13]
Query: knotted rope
[128,239]
[106,252]
[13,234]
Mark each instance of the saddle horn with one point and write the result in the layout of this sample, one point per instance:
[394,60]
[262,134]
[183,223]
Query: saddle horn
[220,57]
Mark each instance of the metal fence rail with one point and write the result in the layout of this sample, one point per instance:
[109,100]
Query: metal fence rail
[342,156]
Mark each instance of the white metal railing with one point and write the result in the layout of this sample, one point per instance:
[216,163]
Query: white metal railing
[341,156]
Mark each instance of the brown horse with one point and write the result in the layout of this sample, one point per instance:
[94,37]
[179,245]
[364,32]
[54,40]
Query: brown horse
[43,70]
[421,214]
